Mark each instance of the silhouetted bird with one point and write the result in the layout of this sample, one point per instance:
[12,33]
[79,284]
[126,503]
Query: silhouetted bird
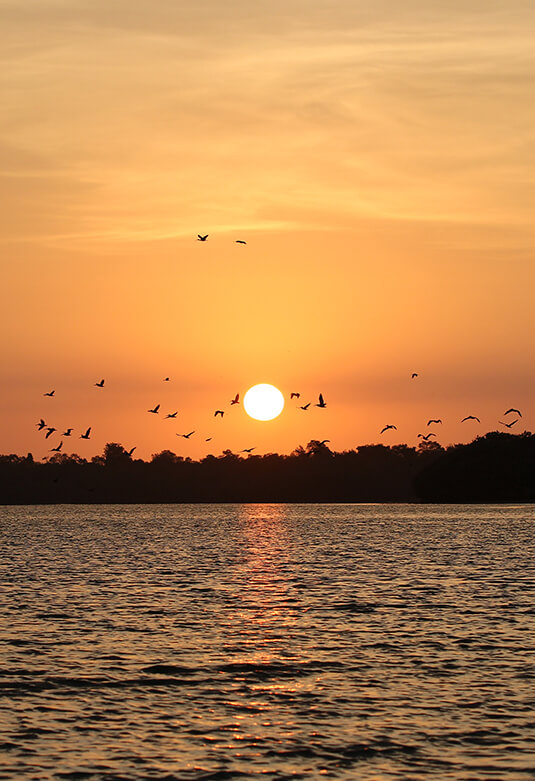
[171,415]
[513,410]
[305,406]
[387,427]
[470,417]
[186,436]
[202,238]
[41,425]
[219,412]
[433,420]
[321,402]
[240,241]
[512,423]
[50,430]
[129,452]
[56,449]
[208,440]
[50,393]
[100,384]
[236,399]
[413,375]
[248,449]
[68,432]
[295,396]
[155,410]
[426,436]
[86,435]
[166,379]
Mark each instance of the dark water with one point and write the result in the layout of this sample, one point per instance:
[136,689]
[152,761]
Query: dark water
[211,642]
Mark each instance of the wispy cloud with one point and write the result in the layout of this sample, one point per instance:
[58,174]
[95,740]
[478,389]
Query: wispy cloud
[143,121]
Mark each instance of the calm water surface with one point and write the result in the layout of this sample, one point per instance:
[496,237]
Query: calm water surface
[280,641]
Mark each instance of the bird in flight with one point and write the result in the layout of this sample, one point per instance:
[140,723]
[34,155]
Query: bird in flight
[321,402]
[186,436]
[513,410]
[100,384]
[433,420]
[129,452]
[426,436]
[248,449]
[208,440]
[67,433]
[413,375]
[57,449]
[512,423]
[236,399]
[202,238]
[305,406]
[470,417]
[295,396]
[86,435]
[155,410]
[387,427]
[240,241]
[50,393]
[50,430]
[171,415]
[166,379]
[220,411]
[41,425]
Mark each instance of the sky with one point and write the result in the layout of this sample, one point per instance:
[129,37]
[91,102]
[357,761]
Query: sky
[379,161]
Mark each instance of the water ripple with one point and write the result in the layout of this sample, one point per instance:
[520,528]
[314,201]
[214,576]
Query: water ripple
[285,642]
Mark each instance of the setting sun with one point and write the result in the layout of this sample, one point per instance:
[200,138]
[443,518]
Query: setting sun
[263,402]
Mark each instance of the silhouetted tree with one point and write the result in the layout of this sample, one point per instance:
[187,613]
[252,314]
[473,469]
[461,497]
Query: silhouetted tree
[497,467]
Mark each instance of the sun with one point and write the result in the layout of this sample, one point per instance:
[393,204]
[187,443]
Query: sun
[263,402]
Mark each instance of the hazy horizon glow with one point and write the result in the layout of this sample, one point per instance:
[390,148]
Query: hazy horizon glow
[379,162]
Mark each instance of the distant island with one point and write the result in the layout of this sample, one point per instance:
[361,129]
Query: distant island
[498,467]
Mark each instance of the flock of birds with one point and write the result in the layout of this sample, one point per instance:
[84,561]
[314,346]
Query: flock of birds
[50,430]
[432,421]
[321,403]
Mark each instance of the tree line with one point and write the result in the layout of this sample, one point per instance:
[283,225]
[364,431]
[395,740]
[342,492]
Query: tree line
[498,467]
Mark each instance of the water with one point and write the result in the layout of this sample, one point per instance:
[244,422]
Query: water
[279,641]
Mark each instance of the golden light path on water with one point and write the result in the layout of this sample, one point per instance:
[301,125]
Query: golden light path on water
[263,402]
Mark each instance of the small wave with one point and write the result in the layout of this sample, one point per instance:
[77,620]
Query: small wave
[354,607]
[168,669]
[264,670]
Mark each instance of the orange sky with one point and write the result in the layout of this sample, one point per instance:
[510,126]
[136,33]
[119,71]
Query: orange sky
[379,161]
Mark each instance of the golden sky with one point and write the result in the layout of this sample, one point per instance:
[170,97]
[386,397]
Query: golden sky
[379,160]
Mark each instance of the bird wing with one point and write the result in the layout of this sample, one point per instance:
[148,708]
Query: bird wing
[156,408]
[321,398]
